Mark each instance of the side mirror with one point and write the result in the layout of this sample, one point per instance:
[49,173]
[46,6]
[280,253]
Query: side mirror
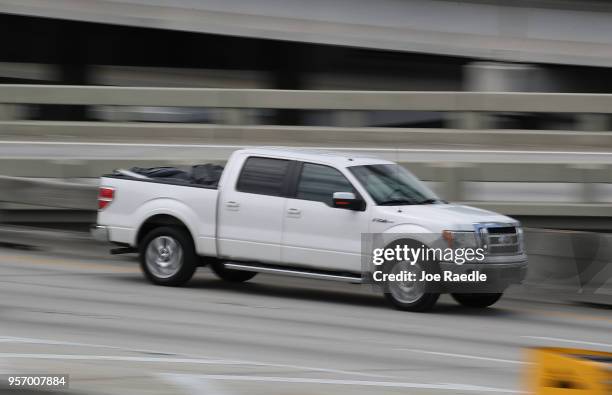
[348,200]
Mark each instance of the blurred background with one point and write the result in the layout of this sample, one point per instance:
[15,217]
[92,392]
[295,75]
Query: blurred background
[501,105]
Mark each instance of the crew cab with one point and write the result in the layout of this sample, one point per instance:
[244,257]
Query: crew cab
[299,213]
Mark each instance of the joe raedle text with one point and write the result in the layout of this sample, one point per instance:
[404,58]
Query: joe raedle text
[446,276]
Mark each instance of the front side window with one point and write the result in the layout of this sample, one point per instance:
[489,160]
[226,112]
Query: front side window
[319,182]
[392,185]
[263,176]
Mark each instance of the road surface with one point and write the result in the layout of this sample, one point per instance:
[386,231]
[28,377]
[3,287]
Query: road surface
[67,307]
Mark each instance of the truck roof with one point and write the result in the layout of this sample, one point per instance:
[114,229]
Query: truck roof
[315,155]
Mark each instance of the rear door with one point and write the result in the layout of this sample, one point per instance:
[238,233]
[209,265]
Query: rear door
[251,211]
[315,233]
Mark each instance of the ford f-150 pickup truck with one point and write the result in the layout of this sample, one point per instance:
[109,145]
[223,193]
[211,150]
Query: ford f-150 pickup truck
[300,213]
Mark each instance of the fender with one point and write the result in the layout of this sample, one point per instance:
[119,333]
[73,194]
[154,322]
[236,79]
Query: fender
[170,207]
[412,231]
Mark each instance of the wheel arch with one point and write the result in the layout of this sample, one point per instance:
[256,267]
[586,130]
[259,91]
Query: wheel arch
[409,232]
[158,220]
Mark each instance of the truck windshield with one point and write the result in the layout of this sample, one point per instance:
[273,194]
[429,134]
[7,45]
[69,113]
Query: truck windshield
[392,185]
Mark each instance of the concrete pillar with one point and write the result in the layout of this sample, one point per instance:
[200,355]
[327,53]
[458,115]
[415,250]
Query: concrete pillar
[502,77]
[495,77]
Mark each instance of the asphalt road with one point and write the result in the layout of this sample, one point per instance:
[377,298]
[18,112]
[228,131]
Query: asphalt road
[67,307]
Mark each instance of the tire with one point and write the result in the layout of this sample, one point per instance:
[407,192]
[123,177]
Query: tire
[231,275]
[477,300]
[167,256]
[405,296]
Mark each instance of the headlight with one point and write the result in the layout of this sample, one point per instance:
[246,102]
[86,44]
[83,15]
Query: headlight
[460,239]
[521,238]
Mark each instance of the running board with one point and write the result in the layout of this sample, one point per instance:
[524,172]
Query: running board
[295,272]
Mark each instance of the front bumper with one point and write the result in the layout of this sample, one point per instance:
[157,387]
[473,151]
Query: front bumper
[100,233]
[498,275]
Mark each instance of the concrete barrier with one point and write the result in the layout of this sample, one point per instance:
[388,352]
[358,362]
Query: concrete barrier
[28,200]
[308,99]
[46,193]
[371,137]
[572,265]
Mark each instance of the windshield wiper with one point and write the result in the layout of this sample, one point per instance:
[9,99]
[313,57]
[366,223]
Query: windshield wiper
[396,202]
[430,201]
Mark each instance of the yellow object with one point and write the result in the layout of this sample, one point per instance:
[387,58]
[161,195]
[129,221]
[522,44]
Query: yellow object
[567,371]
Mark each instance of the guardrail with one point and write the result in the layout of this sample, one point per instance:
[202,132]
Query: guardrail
[365,137]
[28,200]
[308,99]
[463,110]
[48,193]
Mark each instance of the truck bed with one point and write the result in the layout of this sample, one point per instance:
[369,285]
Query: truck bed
[167,181]
[138,200]
[204,175]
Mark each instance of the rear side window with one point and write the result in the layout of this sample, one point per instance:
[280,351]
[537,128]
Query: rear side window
[319,182]
[263,176]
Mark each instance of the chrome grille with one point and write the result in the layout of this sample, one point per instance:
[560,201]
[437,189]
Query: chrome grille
[500,239]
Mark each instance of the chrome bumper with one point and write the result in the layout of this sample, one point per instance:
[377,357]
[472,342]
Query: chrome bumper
[99,233]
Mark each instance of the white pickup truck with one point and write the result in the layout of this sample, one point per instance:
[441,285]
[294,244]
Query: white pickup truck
[300,213]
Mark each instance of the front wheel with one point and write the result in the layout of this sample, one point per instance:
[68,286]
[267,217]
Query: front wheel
[167,256]
[477,300]
[413,296]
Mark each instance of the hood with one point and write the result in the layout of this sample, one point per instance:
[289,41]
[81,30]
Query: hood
[443,216]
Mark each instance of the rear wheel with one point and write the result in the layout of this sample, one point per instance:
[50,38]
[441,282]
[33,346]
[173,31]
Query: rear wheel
[477,300]
[231,275]
[167,256]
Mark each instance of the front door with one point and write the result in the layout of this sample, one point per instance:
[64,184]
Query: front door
[315,233]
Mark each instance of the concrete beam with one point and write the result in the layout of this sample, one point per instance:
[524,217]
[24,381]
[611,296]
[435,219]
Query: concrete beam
[301,135]
[526,31]
[308,99]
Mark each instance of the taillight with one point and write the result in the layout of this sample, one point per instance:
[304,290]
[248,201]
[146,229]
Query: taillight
[105,197]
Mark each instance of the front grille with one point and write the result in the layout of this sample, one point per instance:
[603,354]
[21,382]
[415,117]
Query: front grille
[501,239]
[502,230]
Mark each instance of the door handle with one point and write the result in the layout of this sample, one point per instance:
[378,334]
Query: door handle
[294,211]
[232,204]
